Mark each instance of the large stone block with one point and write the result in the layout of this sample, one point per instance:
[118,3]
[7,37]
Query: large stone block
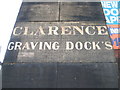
[86,42]
[60,75]
[39,11]
[81,11]
[60,45]
[29,75]
[61,11]
[87,75]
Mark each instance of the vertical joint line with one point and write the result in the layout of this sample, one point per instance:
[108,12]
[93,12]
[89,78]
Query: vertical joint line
[56,74]
[59,11]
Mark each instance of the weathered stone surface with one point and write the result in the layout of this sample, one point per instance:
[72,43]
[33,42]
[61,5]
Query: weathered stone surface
[39,11]
[34,68]
[81,11]
[60,75]
[62,11]
[87,75]
[29,75]
[61,54]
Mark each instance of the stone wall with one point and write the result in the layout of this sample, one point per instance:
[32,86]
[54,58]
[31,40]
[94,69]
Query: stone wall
[84,58]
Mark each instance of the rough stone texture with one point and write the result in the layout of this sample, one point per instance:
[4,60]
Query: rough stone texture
[60,69]
[26,75]
[81,11]
[61,11]
[117,55]
[60,75]
[60,55]
[87,75]
[39,12]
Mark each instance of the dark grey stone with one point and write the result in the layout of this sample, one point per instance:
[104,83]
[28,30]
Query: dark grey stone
[60,55]
[60,68]
[81,11]
[59,75]
[29,75]
[61,11]
[42,11]
[87,75]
